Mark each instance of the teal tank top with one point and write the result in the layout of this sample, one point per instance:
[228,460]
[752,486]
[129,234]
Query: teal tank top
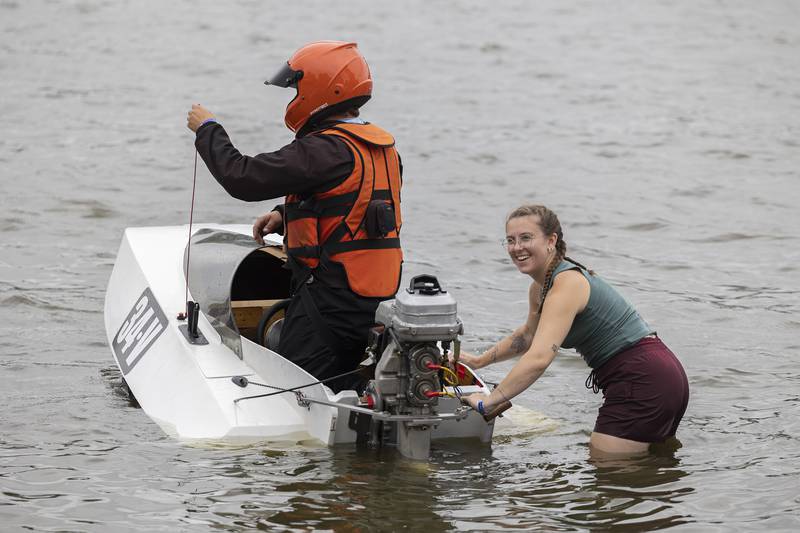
[608,325]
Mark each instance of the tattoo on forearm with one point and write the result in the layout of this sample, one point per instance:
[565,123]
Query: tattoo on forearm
[517,344]
[493,356]
[554,348]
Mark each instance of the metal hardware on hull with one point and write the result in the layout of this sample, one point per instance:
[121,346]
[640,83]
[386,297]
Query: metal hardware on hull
[192,314]
[415,420]
[189,329]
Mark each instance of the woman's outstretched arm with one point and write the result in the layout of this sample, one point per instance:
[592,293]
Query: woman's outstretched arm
[567,297]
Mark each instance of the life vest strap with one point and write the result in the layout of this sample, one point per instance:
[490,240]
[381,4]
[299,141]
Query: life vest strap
[333,248]
[304,251]
[329,207]
[361,244]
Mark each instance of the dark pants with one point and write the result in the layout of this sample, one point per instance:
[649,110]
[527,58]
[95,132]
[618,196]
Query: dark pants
[646,393]
[347,316]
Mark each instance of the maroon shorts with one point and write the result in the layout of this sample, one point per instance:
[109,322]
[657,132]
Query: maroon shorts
[645,391]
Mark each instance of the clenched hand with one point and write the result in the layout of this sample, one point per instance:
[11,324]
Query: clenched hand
[197,116]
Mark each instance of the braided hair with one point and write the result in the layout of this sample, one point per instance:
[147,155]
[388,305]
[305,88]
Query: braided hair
[549,224]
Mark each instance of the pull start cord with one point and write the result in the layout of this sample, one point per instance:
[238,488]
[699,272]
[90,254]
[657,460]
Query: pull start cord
[182,315]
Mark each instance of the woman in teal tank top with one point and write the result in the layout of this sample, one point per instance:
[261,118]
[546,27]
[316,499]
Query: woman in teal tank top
[644,386]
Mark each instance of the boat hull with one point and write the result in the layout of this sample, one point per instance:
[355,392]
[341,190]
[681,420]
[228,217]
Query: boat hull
[186,385]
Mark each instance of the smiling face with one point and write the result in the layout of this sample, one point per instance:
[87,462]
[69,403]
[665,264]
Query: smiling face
[527,245]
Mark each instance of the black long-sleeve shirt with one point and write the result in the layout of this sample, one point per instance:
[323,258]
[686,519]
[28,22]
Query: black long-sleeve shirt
[313,163]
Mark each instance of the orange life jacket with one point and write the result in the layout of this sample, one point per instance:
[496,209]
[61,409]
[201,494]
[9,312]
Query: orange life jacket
[333,225]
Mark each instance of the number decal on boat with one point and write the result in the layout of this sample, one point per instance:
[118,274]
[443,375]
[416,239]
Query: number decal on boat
[145,322]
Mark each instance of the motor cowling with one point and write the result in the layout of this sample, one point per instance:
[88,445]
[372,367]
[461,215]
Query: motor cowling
[408,343]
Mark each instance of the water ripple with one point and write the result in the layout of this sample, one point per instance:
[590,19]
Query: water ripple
[620,119]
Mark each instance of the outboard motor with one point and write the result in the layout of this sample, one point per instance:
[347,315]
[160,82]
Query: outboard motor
[414,334]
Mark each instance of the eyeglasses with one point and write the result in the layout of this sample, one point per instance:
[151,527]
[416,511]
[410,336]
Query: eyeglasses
[523,240]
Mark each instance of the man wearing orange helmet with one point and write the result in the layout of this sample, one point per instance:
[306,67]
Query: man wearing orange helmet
[341,179]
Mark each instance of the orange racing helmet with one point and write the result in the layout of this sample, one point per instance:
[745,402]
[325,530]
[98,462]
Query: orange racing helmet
[330,77]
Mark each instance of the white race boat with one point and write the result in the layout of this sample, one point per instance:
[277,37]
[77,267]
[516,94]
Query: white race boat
[207,377]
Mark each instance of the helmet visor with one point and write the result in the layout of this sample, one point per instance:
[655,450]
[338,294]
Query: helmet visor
[285,77]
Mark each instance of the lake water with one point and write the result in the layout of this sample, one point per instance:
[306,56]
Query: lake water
[664,134]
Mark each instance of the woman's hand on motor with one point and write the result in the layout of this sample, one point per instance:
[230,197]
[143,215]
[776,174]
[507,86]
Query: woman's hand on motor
[197,115]
[477,401]
[266,224]
[470,359]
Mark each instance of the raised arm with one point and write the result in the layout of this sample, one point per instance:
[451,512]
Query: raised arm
[311,163]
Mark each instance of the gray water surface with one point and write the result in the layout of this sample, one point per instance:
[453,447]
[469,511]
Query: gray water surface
[664,134]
